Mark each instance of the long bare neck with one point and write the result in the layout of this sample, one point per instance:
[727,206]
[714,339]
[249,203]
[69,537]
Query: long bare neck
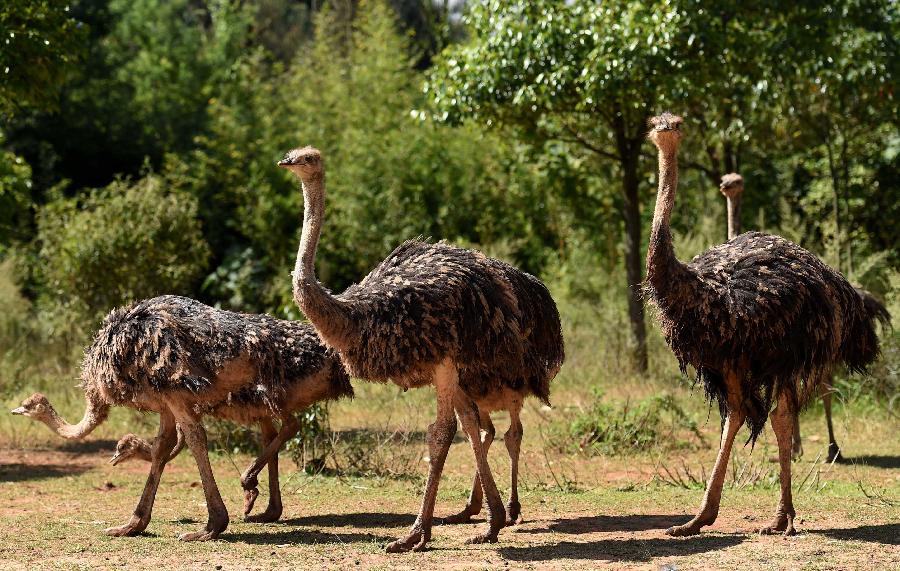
[734,215]
[661,254]
[94,415]
[328,314]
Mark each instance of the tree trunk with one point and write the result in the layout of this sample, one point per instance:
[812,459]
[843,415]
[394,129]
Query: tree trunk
[629,155]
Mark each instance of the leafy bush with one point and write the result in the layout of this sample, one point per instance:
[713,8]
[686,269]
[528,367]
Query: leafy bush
[128,241]
[615,428]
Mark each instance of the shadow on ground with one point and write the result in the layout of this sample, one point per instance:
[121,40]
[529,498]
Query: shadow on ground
[873,460]
[366,520]
[86,446]
[19,472]
[888,534]
[303,537]
[591,524]
[634,550]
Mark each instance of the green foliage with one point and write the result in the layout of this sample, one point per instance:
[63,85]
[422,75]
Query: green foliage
[39,43]
[128,241]
[15,198]
[616,428]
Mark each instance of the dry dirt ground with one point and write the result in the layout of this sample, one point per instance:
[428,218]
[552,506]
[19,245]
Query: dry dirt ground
[580,513]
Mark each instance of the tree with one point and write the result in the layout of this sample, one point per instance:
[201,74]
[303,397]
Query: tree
[39,42]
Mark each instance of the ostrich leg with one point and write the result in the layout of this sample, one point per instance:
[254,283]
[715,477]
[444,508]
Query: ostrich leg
[467,411]
[440,435]
[513,441]
[272,443]
[834,451]
[709,509]
[476,497]
[275,508]
[782,425]
[160,454]
[796,439]
[217,521]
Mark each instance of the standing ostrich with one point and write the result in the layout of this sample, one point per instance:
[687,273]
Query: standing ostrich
[732,187]
[483,333]
[182,359]
[759,318]
[249,407]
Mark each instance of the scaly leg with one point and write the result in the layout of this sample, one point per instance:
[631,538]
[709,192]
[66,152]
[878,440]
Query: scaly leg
[159,455]
[275,508]
[709,509]
[796,440]
[440,435]
[467,411]
[195,436]
[513,441]
[269,455]
[782,419]
[476,497]
[834,451]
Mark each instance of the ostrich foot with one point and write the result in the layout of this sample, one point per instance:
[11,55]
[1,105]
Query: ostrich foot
[834,453]
[465,516]
[513,513]
[214,527]
[272,514]
[130,529]
[414,541]
[782,523]
[690,528]
[489,536]
[249,499]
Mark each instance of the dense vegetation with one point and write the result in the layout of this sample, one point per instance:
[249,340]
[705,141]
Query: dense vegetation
[138,141]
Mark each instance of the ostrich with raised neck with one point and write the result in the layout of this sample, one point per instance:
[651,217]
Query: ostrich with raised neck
[183,359]
[483,333]
[760,319]
[732,187]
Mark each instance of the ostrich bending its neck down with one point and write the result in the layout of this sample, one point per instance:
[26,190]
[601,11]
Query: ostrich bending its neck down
[759,318]
[483,333]
[184,359]
[732,187]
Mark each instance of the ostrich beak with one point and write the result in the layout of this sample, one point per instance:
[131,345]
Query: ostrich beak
[18,411]
[283,163]
[115,458]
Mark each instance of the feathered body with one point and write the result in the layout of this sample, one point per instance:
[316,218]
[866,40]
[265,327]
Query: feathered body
[768,308]
[428,302]
[179,345]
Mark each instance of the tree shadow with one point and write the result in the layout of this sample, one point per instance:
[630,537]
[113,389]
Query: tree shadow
[302,537]
[18,472]
[621,550]
[888,534]
[874,460]
[591,524]
[365,519]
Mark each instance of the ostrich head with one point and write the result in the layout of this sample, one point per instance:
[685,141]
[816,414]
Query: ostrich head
[126,448]
[36,406]
[665,131]
[732,185]
[304,162]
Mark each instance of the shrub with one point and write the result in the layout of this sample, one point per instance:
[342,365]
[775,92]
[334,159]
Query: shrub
[128,241]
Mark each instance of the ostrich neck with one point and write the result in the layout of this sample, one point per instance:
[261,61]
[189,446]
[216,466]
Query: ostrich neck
[661,260]
[329,315]
[734,216]
[313,211]
[94,415]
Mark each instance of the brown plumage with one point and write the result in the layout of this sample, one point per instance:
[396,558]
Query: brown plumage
[759,318]
[732,187]
[183,359]
[484,333]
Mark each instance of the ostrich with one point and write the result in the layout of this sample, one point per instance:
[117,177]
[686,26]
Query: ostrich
[183,359]
[248,407]
[732,187]
[483,333]
[760,319]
